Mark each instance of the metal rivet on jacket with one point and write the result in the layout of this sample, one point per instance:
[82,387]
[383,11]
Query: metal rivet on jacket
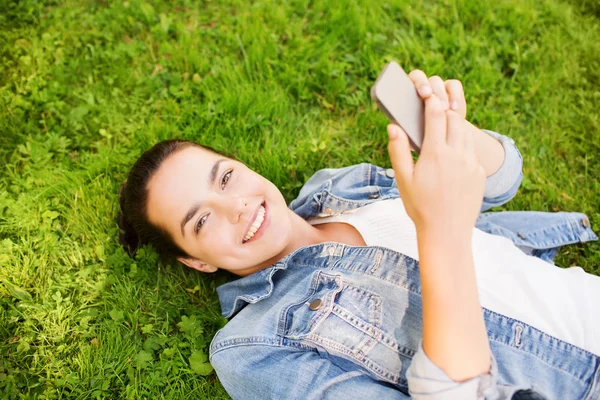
[315,304]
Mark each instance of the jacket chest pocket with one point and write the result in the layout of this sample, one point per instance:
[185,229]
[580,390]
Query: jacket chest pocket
[345,320]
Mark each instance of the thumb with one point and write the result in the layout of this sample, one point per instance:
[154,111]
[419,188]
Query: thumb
[400,155]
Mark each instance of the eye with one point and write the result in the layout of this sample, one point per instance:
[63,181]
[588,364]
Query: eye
[226,178]
[199,224]
[202,220]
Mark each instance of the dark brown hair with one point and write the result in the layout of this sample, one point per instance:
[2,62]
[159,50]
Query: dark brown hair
[136,228]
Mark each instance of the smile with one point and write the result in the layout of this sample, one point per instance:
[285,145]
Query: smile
[258,225]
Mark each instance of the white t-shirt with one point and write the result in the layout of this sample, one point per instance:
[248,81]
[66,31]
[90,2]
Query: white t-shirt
[560,302]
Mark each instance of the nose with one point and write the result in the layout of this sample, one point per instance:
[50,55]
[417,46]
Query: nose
[233,207]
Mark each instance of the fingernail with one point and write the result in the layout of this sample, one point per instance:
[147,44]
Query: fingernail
[425,90]
[393,132]
[454,105]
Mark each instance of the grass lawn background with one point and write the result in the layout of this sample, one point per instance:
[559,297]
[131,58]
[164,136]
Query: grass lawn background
[86,86]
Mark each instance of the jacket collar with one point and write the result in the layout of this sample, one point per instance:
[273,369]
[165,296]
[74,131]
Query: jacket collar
[250,289]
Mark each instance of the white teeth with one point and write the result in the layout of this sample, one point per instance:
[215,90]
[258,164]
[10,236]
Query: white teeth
[260,217]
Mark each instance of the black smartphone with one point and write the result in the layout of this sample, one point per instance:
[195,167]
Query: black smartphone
[395,94]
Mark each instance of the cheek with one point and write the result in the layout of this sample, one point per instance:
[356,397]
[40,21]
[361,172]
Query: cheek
[251,184]
[217,242]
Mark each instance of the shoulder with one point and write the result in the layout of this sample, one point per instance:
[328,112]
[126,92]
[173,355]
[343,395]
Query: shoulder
[362,172]
[358,175]
[356,172]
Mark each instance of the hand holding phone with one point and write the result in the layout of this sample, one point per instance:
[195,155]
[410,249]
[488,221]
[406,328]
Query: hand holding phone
[450,91]
[443,191]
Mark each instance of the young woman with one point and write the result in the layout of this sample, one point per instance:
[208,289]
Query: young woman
[378,283]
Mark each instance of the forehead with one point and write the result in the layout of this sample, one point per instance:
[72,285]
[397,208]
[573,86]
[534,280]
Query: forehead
[180,180]
[191,162]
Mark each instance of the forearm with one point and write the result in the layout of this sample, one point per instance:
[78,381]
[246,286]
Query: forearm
[489,151]
[454,333]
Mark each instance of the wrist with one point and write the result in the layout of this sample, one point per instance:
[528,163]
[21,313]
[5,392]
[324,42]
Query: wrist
[441,251]
[445,235]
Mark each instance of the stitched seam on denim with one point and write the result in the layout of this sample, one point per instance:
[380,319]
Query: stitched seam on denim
[328,298]
[570,237]
[340,266]
[322,314]
[367,363]
[373,327]
[376,317]
[354,321]
[372,181]
[563,239]
[375,334]
[382,172]
[367,346]
[520,349]
[297,344]
[256,300]
[290,344]
[290,256]
[594,389]
[283,318]
[347,201]
[247,341]
[544,333]
[366,343]
[370,340]
[518,332]
[378,258]
[362,291]
[568,346]
[323,244]
[373,247]
[408,285]
[368,329]
[578,231]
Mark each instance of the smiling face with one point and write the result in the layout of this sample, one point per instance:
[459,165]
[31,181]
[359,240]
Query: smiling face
[209,204]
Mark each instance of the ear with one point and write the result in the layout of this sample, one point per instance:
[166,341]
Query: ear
[197,264]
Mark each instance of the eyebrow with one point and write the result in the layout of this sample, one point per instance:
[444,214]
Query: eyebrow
[194,208]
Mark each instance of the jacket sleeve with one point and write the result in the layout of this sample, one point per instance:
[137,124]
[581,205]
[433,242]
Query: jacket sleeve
[315,181]
[503,185]
[264,372]
[426,381]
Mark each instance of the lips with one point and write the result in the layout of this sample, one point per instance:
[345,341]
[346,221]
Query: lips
[252,222]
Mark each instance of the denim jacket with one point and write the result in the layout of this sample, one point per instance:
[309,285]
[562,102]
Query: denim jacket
[333,320]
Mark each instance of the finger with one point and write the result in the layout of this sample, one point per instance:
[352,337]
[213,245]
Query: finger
[435,125]
[437,84]
[456,137]
[400,155]
[421,82]
[456,96]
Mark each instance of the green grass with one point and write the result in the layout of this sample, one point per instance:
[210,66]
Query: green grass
[86,86]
